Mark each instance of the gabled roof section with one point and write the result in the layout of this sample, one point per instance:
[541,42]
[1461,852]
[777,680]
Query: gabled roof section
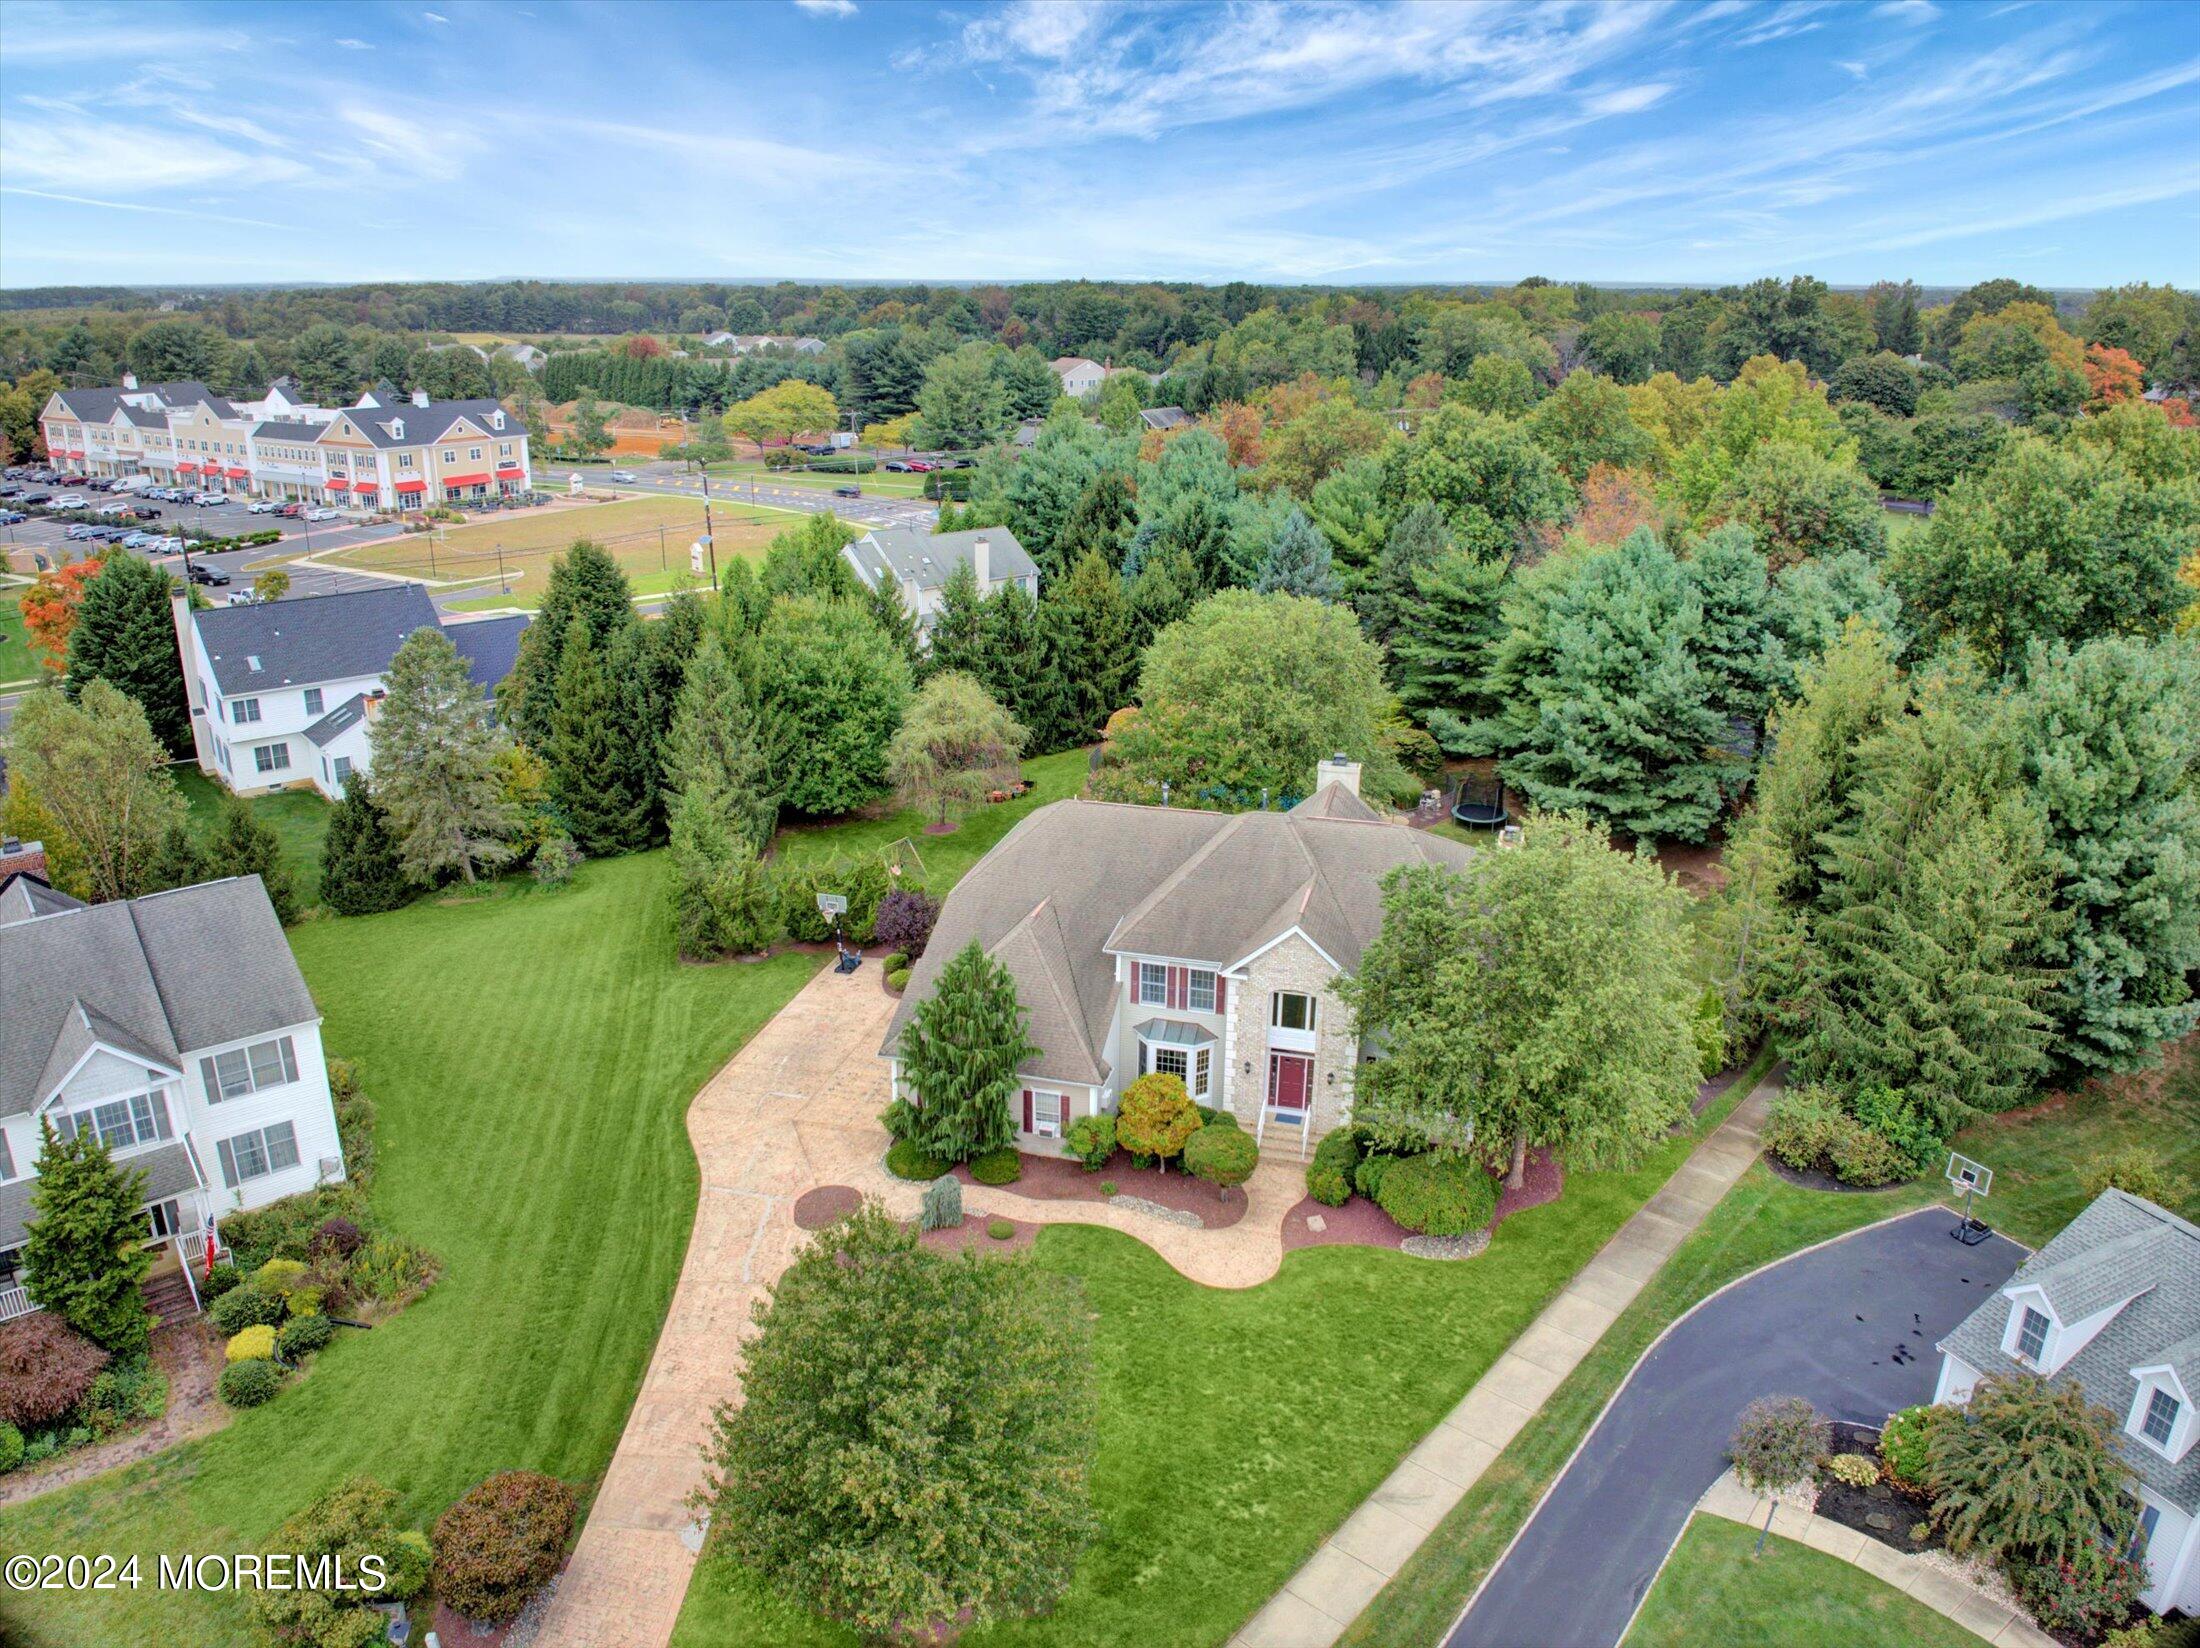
[929,559]
[338,721]
[305,639]
[1334,800]
[82,1030]
[2094,1278]
[490,646]
[1037,956]
[25,897]
[2183,1361]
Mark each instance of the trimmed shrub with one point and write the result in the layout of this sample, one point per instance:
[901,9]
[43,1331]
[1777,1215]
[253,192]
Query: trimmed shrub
[905,920]
[501,1543]
[302,1336]
[1000,1229]
[1092,1139]
[220,1281]
[1902,1445]
[1854,1469]
[305,1301]
[11,1447]
[253,1344]
[897,979]
[1329,1174]
[1801,1126]
[46,1369]
[248,1384]
[905,1161]
[997,1167]
[1367,1177]
[1223,1156]
[337,1236]
[1438,1197]
[895,962]
[942,1208]
[1862,1157]
[279,1275]
[246,1307]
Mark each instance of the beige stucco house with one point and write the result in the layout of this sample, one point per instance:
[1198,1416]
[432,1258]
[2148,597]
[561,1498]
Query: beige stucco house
[1164,938]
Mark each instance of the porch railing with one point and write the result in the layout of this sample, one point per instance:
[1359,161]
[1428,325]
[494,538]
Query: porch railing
[14,1302]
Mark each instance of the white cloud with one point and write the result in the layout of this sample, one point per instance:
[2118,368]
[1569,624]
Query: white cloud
[354,45]
[195,213]
[827,8]
[1859,70]
[1627,99]
[435,17]
[1910,11]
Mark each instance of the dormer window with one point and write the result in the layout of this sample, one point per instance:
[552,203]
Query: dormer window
[397,429]
[2159,1423]
[2032,1328]
[496,419]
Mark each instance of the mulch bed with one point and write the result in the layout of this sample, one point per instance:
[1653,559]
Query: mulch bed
[827,1204]
[1360,1223]
[1064,1179]
[970,1237]
[1882,1511]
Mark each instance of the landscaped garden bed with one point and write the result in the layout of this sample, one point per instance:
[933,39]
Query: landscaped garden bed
[1064,1179]
[1360,1223]
[1899,1518]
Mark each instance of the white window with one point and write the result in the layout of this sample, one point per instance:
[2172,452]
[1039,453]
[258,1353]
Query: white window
[404,460]
[253,1155]
[1153,984]
[165,1218]
[243,1070]
[504,449]
[1046,1115]
[1202,1071]
[1170,1061]
[2032,1335]
[473,452]
[1288,1010]
[121,1123]
[248,709]
[1202,999]
[2150,1518]
[449,456]
[2160,1422]
[313,700]
[270,757]
[343,768]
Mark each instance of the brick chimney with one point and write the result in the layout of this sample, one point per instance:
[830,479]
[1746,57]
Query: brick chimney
[29,856]
[981,562]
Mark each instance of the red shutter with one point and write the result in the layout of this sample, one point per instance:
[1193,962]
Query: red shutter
[1027,1110]
[1219,1006]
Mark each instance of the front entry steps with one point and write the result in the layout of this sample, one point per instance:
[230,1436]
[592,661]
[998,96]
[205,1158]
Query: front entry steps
[169,1297]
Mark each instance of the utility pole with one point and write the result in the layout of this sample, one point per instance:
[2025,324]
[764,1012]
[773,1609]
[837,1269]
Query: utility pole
[709,537]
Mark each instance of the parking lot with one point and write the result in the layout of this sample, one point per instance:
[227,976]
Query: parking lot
[44,536]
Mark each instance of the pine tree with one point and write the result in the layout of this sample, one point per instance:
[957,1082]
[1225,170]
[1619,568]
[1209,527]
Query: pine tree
[178,863]
[1416,543]
[723,898]
[953,643]
[360,870]
[125,635]
[435,751]
[959,1057]
[714,752]
[893,617]
[1298,562]
[1013,664]
[1738,652]
[585,583]
[86,1254]
[1166,588]
[244,845]
[1088,628]
[591,783]
[1442,648]
[1101,523]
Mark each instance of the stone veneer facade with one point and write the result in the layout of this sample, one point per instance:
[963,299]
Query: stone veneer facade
[1292,964]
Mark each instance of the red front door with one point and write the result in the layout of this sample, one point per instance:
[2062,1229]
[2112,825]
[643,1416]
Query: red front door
[1290,1076]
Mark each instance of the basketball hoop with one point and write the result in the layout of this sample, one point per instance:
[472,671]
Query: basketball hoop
[1973,1179]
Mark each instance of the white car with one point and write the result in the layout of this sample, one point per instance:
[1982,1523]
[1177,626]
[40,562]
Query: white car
[262,506]
[210,500]
[324,513]
[626,475]
[66,500]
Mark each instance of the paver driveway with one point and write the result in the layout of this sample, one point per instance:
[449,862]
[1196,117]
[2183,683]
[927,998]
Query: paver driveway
[1823,1325]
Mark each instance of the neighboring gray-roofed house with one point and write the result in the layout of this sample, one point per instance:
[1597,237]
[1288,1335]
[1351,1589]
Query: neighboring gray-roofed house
[920,563]
[2112,1305]
[1165,417]
[310,638]
[1164,938]
[179,1028]
[490,646]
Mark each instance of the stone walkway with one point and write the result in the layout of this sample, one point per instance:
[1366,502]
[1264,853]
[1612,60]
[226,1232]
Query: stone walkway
[1374,1543]
[1998,1623]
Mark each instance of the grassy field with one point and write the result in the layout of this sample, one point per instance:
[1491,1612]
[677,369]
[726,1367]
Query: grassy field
[1713,1590]
[16,660]
[881,482]
[300,818]
[1278,1408]
[648,537]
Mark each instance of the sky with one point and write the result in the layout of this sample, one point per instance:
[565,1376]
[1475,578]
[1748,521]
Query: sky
[1356,142]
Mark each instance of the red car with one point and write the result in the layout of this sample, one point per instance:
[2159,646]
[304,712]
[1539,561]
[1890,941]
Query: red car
[292,511]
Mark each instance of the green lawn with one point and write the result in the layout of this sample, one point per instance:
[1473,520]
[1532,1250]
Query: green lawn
[16,661]
[1239,1427]
[875,482]
[300,818]
[1712,1589]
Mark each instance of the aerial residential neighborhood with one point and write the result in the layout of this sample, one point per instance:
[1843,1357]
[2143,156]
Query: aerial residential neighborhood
[1095,825]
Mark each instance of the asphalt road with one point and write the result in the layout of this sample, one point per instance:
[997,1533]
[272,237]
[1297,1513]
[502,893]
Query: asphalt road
[1827,1325]
[914,513]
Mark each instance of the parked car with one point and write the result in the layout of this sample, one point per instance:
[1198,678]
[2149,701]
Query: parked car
[240,597]
[76,534]
[37,500]
[211,576]
[12,517]
[847,491]
[626,475]
[291,511]
[324,513]
[210,500]
[67,500]
[138,540]
[262,506]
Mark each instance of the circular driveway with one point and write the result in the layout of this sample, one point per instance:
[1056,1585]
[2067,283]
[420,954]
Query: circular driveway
[1850,1325]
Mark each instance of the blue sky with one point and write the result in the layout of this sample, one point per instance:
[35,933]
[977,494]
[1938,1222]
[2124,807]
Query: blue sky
[1271,141]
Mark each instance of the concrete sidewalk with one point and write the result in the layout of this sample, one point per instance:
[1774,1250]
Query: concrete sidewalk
[1972,1609]
[1374,1543]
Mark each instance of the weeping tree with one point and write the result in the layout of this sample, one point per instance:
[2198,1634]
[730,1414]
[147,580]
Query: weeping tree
[954,747]
[959,1058]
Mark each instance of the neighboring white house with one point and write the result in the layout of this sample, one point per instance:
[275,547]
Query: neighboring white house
[179,1028]
[284,692]
[1204,944]
[920,563]
[2112,1305]
[1079,376]
[525,353]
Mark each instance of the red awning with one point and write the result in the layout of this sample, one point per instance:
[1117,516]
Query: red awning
[239,474]
[510,472]
[465,480]
[412,486]
[337,483]
[187,469]
[366,483]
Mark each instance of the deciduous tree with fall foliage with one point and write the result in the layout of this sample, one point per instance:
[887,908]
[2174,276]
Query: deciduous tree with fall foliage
[49,611]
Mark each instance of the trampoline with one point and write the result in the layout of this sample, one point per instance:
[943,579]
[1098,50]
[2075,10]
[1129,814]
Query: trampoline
[1481,804]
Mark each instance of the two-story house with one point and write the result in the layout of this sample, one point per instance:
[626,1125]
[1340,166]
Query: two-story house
[177,1027]
[2112,1305]
[285,692]
[920,563]
[1079,376]
[1207,945]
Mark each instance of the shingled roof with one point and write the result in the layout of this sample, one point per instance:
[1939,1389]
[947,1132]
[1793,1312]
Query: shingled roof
[1078,882]
[308,638]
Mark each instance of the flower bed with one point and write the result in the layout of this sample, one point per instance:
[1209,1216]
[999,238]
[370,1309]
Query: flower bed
[1881,1511]
[1062,1179]
[1360,1223]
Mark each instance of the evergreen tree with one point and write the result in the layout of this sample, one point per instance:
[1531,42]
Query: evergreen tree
[714,751]
[2111,741]
[723,898]
[1418,541]
[1013,664]
[743,601]
[1088,625]
[959,1058]
[1197,529]
[592,782]
[1738,652]
[953,642]
[1166,588]
[125,635]
[831,690]
[1298,563]
[895,621]
[587,584]
[361,872]
[243,845]
[1617,719]
[435,754]
[85,1256]
[1442,648]
[178,861]
[1100,523]
[1811,604]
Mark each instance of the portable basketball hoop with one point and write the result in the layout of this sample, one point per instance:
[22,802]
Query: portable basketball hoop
[1974,1179]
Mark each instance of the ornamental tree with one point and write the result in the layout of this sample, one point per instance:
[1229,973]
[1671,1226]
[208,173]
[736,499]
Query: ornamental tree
[501,1542]
[46,1369]
[914,1445]
[86,1256]
[49,609]
[1776,1446]
[2030,1469]
[97,770]
[1223,1156]
[953,748]
[1156,1117]
[960,1055]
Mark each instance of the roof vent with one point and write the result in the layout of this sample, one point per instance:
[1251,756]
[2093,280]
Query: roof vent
[252,662]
